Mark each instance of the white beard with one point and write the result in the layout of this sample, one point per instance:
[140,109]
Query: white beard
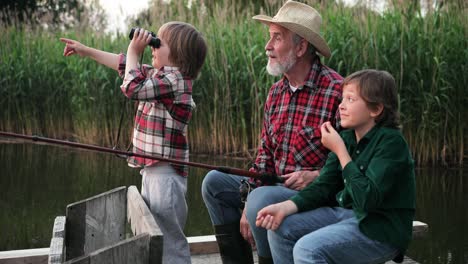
[281,67]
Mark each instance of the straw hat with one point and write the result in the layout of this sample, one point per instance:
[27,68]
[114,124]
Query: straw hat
[302,20]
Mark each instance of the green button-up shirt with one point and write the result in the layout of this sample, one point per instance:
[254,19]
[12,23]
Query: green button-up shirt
[378,185]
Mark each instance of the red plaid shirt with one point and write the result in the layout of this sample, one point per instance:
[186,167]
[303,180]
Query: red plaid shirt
[164,110]
[291,128]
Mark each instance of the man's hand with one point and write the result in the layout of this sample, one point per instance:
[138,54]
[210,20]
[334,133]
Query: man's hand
[273,215]
[298,180]
[245,228]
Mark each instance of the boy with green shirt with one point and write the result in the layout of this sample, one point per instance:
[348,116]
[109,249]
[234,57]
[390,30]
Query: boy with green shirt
[361,207]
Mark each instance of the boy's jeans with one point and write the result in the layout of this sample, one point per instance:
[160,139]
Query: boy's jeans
[257,200]
[325,235]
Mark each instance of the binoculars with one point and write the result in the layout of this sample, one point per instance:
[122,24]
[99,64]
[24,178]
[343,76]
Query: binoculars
[155,42]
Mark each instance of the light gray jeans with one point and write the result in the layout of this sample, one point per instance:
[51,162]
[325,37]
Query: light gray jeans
[164,191]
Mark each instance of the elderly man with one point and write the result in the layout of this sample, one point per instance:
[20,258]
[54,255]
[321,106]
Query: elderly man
[307,95]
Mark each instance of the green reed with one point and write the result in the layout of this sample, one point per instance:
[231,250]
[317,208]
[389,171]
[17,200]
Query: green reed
[428,57]
[45,93]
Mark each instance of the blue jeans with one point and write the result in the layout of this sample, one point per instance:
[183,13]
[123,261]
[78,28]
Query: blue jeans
[258,199]
[325,235]
[220,193]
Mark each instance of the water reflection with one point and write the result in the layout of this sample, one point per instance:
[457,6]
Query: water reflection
[37,182]
[441,196]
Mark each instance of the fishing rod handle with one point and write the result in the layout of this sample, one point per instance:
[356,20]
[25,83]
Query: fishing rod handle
[266,178]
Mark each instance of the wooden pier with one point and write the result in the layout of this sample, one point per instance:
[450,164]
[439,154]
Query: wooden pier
[40,256]
[95,230]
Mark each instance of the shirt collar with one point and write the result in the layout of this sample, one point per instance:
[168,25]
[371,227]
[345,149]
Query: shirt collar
[309,81]
[369,135]
[366,138]
[169,68]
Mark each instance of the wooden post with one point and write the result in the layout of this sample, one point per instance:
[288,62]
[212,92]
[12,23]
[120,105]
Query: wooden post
[95,223]
[142,221]
[57,243]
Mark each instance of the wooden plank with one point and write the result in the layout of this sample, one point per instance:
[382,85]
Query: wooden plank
[59,227]
[134,250]
[95,222]
[199,245]
[25,256]
[57,244]
[142,221]
[213,258]
[138,214]
[56,250]
[216,259]
[203,245]
[39,256]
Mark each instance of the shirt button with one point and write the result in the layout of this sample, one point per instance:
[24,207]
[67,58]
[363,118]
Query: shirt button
[341,199]
[362,167]
[344,180]
[357,151]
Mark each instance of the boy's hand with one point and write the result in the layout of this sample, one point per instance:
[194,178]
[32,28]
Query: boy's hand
[73,47]
[141,38]
[330,138]
[273,215]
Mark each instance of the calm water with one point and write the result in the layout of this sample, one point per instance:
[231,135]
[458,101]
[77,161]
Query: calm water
[37,182]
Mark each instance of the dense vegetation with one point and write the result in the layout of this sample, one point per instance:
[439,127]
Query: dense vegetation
[44,93]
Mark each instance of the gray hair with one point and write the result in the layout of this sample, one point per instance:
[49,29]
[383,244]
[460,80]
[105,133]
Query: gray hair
[310,48]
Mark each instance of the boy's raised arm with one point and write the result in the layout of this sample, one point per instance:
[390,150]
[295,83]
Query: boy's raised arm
[108,59]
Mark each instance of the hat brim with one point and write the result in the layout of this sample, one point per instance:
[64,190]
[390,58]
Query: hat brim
[313,38]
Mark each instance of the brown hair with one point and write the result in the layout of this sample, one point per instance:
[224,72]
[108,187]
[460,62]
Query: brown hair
[378,87]
[187,47]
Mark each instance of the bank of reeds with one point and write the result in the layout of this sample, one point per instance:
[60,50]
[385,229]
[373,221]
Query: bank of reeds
[44,93]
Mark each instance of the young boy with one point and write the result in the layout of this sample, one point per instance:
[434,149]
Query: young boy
[360,209]
[165,104]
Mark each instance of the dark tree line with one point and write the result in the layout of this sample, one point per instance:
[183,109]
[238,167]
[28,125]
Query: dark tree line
[51,13]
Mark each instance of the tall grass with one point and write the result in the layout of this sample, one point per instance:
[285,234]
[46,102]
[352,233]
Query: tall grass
[428,56]
[45,93]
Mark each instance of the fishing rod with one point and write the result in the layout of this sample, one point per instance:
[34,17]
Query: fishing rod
[266,178]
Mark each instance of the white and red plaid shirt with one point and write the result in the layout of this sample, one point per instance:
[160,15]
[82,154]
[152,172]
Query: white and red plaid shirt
[165,108]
